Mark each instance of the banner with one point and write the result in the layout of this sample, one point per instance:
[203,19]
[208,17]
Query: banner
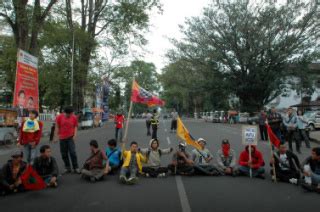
[249,135]
[26,92]
[141,95]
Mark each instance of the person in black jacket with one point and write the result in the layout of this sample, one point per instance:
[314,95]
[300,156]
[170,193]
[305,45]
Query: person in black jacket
[311,171]
[11,173]
[287,165]
[46,166]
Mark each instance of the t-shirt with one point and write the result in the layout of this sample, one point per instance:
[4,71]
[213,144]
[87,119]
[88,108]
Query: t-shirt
[149,116]
[174,115]
[66,126]
[199,156]
[133,161]
[284,162]
[119,119]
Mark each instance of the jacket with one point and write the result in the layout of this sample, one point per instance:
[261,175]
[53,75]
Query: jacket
[97,160]
[274,120]
[226,162]
[262,119]
[291,122]
[314,165]
[294,163]
[27,137]
[256,156]
[7,172]
[46,166]
[127,157]
[153,157]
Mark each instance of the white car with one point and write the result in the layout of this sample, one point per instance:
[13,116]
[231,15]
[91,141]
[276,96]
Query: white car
[313,118]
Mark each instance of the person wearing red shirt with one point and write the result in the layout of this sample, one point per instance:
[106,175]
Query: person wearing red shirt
[255,164]
[30,135]
[66,131]
[119,122]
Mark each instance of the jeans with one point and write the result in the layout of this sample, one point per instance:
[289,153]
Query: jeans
[315,178]
[174,125]
[263,132]
[118,133]
[206,170]
[292,134]
[29,153]
[96,173]
[154,132]
[129,171]
[304,136]
[68,147]
[148,124]
[286,175]
[255,172]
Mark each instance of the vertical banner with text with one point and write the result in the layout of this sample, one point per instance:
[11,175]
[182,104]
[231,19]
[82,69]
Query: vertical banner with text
[26,92]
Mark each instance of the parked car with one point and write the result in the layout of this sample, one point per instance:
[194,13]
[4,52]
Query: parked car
[243,117]
[313,118]
[87,120]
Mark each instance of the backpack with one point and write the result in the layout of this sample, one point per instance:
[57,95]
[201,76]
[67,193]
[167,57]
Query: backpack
[149,151]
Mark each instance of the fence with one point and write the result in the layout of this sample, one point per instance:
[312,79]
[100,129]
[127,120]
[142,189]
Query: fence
[45,117]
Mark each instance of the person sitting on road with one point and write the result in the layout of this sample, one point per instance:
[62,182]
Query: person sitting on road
[253,167]
[311,171]
[153,155]
[114,155]
[46,166]
[12,172]
[97,165]
[287,165]
[226,159]
[202,159]
[132,164]
[181,163]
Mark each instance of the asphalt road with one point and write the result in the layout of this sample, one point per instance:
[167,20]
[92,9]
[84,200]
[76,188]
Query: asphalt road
[168,194]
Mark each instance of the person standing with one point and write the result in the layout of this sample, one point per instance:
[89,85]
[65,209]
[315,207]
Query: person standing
[291,124]
[66,130]
[119,122]
[275,120]
[262,126]
[154,124]
[148,122]
[30,135]
[302,125]
[174,117]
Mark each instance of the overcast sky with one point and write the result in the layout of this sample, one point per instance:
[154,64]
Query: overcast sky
[166,25]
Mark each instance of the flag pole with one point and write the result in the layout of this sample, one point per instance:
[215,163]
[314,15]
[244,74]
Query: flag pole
[272,156]
[250,159]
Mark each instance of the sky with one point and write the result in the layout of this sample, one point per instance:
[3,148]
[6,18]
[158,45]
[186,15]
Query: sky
[166,25]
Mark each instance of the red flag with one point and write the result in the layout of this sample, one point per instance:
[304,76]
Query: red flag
[272,137]
[140,95]
[31,180]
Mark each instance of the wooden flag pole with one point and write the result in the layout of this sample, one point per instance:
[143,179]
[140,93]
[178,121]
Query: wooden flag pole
[273,165]
[250,159]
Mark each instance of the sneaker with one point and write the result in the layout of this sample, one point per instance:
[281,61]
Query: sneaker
[132,180]
[161,175]
[77,171]
[123,179]
[147,175]
[293,181]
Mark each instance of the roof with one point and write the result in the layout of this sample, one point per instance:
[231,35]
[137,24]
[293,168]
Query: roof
[308,104]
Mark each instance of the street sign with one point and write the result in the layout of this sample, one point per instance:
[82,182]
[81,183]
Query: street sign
[249,135]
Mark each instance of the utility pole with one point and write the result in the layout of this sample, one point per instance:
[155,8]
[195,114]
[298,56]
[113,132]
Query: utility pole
[72,68]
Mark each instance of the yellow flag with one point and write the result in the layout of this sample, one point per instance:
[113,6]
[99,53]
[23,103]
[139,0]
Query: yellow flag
[183,133]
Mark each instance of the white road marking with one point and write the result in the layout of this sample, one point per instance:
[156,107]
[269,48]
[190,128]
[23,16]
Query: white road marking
[185,205]
[169,141]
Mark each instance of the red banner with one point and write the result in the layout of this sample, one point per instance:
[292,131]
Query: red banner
[26,94]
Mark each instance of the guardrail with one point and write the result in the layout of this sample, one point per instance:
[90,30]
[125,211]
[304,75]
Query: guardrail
[45,117]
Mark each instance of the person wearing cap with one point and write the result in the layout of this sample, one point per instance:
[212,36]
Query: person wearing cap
[203,160]
[153,155]
[46,166]
[12,172]
[97,165]
[181,162]
[226,159]
[30,135]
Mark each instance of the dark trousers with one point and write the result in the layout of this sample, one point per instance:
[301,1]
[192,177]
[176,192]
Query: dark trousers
[263,132]
[174,125]
[181,169]
[154,132]
[206,170]
[153,171]
[286,175]
[68,148]
[148,124]
[304,136]
[118,134]
[292,135]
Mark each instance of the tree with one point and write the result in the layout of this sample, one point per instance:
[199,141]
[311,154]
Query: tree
[252,46]
[26,21]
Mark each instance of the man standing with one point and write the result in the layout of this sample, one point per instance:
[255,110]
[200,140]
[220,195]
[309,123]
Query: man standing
[262,125]
[174,116]
[119,122]
[148,122]
[30,135]
[154,124]
[302,125]
[66,129]
[275,120]
[291,124]
[47,167]
[287,165]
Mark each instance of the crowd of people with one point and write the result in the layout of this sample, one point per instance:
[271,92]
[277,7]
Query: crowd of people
[147,162]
